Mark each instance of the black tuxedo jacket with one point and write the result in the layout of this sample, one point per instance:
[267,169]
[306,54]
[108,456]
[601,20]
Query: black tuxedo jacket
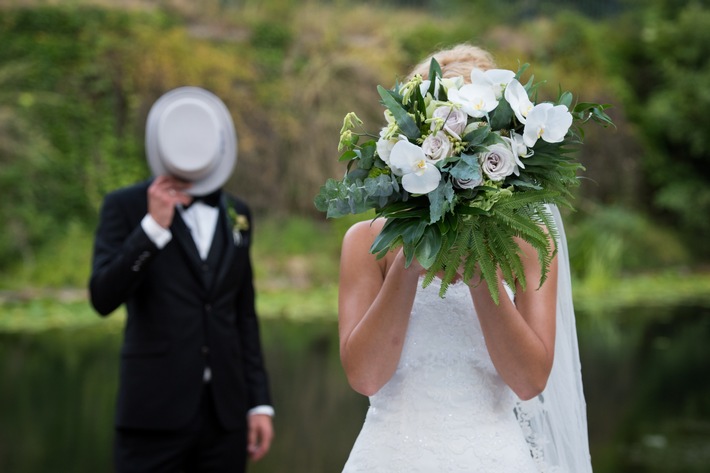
[183,314]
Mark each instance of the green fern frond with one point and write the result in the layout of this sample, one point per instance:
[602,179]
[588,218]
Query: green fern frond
[440,259]
[507,250]
[523,227]
[521,199]
[487,265]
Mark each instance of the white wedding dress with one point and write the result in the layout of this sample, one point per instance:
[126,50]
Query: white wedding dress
[446,409]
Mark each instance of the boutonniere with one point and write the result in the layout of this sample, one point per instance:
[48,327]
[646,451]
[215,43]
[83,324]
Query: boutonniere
[240,223]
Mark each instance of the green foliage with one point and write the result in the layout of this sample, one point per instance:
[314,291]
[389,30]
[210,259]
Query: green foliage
[76,84]
[667,55]
[610,242]
[62,262]
[88,78]
[271,39]
[67,93]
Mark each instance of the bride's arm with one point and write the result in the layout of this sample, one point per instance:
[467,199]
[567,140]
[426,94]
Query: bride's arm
[374,303]
[520,336]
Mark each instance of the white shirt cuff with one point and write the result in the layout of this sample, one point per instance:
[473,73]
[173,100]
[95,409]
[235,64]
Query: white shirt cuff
[157,234]
[266,410]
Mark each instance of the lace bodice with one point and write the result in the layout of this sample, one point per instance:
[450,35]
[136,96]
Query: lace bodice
[445,409]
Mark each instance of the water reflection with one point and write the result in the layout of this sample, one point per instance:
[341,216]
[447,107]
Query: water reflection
[648,392]
[647,388]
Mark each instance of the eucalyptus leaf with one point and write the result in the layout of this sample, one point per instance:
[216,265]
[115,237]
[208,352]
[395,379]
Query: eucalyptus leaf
[357,174]
[440,200]
[565,99]
[367,156]
[477,136]
[468,167]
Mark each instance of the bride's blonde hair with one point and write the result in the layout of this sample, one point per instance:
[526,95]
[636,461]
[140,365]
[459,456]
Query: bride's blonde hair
[457,61]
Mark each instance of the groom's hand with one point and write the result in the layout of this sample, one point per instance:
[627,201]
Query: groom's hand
[163,194]
[261,432]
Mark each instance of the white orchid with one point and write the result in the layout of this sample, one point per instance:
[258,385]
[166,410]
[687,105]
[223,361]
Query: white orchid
[517,146]
[547,121]
[517,98]
[385,145]
[497,79]
[474,99]
[419,175]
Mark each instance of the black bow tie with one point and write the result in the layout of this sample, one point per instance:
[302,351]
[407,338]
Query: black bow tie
[210,199]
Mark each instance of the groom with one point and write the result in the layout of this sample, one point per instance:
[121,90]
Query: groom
[193,394]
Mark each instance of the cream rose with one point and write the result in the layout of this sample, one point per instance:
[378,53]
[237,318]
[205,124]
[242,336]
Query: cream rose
[453,118]
[467,183]
[498,162]
[437,146]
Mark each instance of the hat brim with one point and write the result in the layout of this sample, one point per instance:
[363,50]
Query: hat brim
[222,170]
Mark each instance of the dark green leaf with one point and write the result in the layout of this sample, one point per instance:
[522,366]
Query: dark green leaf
[502,116]
[477,136]
[403,119]
[428,248]
[348,155]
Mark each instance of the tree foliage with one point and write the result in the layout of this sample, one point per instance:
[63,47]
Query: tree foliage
[667,66]
[76,84]
[72,122]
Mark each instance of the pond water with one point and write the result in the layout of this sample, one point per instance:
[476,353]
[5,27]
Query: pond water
[646,382]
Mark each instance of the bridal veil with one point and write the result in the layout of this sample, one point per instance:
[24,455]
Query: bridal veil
[555,422]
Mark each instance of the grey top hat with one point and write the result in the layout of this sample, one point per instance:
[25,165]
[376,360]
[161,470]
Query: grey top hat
[190,135]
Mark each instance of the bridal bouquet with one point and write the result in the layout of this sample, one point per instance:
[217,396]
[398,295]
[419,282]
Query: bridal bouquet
[461,170]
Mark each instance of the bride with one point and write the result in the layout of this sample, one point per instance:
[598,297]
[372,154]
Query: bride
[460,384]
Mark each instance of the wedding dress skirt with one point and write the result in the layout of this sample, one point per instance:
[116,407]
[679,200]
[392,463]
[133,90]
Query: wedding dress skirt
[445,409]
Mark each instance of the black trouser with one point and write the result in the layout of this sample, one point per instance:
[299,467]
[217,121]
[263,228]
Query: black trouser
[202,446]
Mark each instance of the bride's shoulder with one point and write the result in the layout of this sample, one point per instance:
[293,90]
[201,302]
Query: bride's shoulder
[356,257]
[360,236]
[365,230]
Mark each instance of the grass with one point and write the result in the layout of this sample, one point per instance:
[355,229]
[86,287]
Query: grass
[656,289]
[53,309]
[296,273]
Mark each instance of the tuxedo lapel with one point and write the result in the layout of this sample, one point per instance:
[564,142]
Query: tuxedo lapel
[224,226]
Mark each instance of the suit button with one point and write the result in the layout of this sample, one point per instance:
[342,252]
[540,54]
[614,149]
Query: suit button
[205,350]
[208,308]
[205,267]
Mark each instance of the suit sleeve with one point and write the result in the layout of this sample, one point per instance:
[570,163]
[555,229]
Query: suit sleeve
[122,252]
[248,325]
